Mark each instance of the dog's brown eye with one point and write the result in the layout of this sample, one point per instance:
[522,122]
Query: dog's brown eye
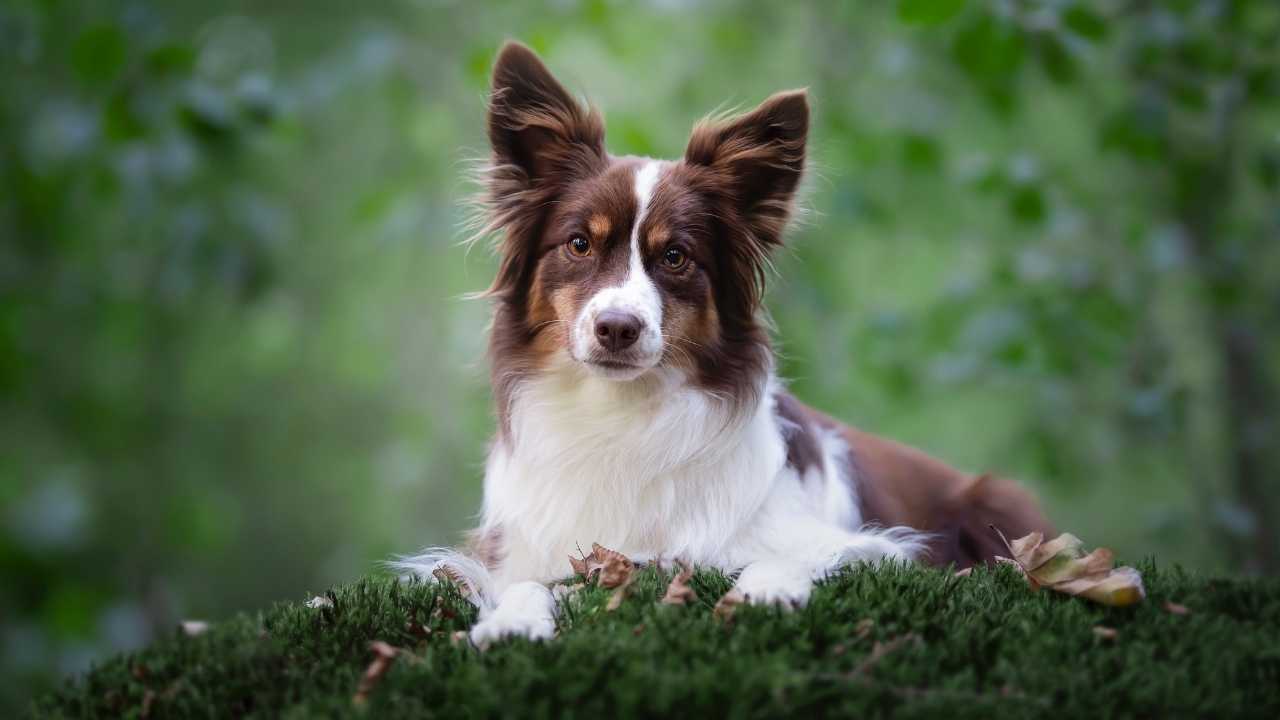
[579,246]
[674,258]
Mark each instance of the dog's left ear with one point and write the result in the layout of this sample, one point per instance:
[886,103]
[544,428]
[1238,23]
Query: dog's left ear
[758,159]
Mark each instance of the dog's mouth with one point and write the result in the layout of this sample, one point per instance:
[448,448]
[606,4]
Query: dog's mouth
[611,368]
[614,365]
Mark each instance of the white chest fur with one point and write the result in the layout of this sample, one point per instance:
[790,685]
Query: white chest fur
[651,468]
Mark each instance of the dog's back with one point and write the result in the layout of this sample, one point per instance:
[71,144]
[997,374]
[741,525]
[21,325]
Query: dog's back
[896,485]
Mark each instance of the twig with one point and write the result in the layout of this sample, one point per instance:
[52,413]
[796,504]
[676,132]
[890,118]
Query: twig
[880,650]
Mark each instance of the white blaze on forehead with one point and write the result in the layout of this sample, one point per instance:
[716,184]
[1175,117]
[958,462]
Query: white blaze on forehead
[637,294]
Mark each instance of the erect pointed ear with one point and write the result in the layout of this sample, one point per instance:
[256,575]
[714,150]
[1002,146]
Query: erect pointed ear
[542,139]
[535,126]
[758,159]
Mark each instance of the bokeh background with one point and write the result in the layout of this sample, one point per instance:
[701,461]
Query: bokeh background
[236,365]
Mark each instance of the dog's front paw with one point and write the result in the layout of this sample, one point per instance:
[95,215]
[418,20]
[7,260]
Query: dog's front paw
[779,583]
[489,631]
[525,610]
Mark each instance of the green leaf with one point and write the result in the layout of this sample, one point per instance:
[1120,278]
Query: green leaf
[921,152]
[1027,204]
[98,54]
[990,51]
[1085,22]
[1058,61]
[119,119]
[928,12]
[171,59]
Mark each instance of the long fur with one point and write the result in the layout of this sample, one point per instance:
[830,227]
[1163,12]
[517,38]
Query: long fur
[689,448]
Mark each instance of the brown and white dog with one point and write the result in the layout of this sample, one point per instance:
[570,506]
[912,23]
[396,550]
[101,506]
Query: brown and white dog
[636,397]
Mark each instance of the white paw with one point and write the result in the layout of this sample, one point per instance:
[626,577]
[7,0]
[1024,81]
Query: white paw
[487,632]
[772,582]
[525,610]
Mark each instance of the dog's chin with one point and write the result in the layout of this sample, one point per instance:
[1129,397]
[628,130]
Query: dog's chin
[615,370]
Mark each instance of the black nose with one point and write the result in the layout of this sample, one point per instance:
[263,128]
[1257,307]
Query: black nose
[617,330]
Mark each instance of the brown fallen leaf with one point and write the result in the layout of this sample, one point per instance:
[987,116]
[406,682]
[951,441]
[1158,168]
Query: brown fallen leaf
[880,650]
[1062,565]
[451,575]
[619,594]
[148,700]
[416,629]
[678,591]
[383,655]
[1102,632]
[1174,608]
[610,567]
[615,568]
[727,605]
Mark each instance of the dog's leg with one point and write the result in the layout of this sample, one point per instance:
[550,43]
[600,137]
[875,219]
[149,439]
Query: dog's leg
[785,575]
[525,609]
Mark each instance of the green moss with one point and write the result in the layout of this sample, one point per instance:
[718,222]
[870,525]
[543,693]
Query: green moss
[983,646]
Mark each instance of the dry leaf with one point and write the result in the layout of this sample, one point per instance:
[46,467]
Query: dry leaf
[192,628]
[383,655]
[615,568]
[448,574]
[1102,632]
[1061,564]
[879,650]
[318,602]
[727,604]
[965,572]
[620,594]
[678,591]
[416,629]
[1174,608]
[610,567]
[863,628]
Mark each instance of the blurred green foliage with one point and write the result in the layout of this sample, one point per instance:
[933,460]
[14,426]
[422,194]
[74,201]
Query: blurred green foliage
[235,364]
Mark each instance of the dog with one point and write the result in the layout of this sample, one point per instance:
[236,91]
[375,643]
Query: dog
[635,389]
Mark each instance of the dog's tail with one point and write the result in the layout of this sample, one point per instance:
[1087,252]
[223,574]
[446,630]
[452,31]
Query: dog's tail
[471,576]
[966,537]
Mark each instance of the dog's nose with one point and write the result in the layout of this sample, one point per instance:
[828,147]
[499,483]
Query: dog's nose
[617,330]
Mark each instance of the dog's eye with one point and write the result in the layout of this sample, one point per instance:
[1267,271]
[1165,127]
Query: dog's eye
[674,258]
[579,246]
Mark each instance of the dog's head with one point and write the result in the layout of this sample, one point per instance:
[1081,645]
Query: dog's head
[618,266]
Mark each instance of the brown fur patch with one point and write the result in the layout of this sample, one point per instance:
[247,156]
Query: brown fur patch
[803,449]
[599,226]
[897,485]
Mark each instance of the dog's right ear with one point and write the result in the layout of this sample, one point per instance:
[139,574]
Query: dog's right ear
[537,130]
[542,140]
